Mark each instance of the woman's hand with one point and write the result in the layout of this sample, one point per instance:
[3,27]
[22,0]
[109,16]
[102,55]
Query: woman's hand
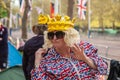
[78,52]
[38,56]
[80,55]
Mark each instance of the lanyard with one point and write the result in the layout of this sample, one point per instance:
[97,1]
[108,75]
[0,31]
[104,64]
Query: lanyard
[74,67]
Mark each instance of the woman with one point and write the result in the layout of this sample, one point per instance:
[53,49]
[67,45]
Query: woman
[68,57]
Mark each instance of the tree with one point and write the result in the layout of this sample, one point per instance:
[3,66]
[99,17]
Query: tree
[5,5]
[115,8]
[70,8]
[24,20]
[3,12]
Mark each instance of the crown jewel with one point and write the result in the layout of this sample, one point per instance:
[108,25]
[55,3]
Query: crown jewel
[60,24]
[43,19]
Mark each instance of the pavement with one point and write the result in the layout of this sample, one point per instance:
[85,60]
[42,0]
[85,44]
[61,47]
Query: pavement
[108,47]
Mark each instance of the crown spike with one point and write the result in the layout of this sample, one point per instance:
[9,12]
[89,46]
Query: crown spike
[58,17]
[67,18]
[73,20]
[43,19]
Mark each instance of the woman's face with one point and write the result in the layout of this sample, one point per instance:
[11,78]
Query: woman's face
[57,38]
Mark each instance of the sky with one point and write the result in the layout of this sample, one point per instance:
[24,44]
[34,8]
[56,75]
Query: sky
[16,2]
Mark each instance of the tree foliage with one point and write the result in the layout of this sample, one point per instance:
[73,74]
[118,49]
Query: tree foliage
[3,12]
[106,12]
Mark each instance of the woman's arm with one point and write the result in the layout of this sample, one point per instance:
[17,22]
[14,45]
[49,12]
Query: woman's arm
[90,62]
[80,55]
[39,71]
[98,61]
[89,55]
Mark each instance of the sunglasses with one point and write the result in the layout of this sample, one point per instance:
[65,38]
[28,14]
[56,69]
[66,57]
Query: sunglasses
[58,34]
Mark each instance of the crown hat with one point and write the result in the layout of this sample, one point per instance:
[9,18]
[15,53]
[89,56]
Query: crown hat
[60,24]
[43,19]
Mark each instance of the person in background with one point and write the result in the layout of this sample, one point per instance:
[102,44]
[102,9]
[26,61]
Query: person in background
[68,57]
[3,47]
[32,45]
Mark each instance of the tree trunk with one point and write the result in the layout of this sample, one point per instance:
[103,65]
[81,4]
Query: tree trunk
[8,15]
[70,8]
[24,20]
[113,23]
[101,23]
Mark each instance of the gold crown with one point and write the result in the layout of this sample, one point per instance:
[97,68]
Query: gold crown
[60,24]
[43,19]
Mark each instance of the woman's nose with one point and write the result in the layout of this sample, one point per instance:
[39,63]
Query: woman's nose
[55,37]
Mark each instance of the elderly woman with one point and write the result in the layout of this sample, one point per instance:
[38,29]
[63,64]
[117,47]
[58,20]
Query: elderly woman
[68,58]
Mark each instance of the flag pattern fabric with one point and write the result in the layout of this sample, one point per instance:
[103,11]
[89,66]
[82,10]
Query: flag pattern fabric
[22,6]
[52,9]
[30,7]
[56,67]
[82,9]
[39,10]
[30,4]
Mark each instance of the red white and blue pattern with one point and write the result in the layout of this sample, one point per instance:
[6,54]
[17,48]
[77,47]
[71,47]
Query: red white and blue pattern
[56,67]
[82,9]
[22,6]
